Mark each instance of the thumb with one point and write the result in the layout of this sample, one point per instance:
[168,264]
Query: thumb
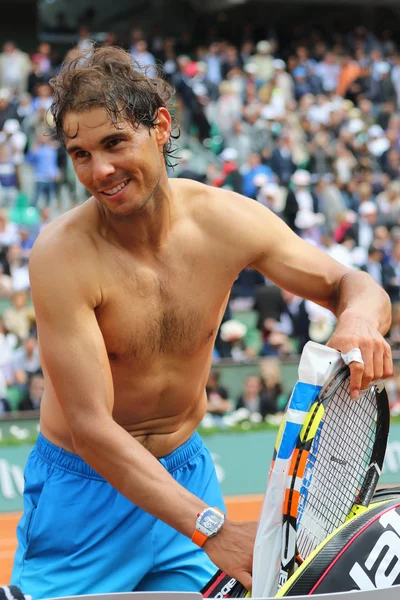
[245,579]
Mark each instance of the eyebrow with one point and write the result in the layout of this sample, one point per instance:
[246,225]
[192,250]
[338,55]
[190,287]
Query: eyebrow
[108,138]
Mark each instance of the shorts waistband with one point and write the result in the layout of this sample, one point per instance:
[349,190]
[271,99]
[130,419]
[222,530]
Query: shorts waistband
[68,461]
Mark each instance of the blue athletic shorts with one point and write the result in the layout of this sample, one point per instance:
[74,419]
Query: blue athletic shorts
[78,535]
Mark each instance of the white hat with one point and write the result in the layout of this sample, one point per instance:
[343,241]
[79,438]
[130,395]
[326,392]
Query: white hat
[375,131]
[260,180]
[229,154]
[301,177]
[263,46]
[367,208]
[11,126]
[321,330]
[270,189]
[305,219]
[232,330]
[355,125]
[251,68]
[278,64]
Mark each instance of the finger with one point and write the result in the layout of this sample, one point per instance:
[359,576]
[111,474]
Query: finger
[356,375]
[368,358]
[378,358]
[387,361]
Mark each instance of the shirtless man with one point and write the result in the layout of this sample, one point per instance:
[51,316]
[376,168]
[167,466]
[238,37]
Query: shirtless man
[129,291]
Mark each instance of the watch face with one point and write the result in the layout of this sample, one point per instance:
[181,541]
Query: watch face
[210,520]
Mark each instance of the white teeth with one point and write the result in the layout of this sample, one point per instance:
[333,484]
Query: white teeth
[116,189]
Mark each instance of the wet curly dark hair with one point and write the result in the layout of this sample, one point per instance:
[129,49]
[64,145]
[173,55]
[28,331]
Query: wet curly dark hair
[109,78]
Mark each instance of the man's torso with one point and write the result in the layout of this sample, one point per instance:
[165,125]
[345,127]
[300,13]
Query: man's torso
[159,316]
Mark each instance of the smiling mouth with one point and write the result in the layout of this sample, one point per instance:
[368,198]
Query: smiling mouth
[116,189]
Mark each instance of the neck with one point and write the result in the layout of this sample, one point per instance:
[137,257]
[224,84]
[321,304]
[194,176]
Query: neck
[146,228]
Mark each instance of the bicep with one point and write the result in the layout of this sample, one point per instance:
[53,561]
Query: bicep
[72,347]
[294,264]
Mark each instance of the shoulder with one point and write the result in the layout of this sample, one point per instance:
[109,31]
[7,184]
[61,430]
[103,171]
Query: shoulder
[65,237]
[206,202]
[235,220]
[65,255]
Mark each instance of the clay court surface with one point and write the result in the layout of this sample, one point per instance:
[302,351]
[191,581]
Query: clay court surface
[240,508]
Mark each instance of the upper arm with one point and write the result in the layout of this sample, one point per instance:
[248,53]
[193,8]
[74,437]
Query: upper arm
[71,343]
[285,258]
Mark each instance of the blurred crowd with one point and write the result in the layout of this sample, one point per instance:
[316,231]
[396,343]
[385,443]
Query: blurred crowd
[310,129]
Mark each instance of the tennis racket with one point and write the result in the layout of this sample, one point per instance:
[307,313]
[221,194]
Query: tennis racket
[222,585]
[335,466]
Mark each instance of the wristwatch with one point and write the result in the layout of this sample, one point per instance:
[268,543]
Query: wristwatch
[208,523]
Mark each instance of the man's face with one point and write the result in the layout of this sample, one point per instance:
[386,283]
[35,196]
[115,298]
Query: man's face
[121,166]
[252,385]
[19,300]
[29,345]
[8,48]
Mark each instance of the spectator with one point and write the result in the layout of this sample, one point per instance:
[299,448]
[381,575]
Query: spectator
[382,272]
[185,168]
[8,343]
[6,285]
[295,320]
[144,58]
[299,198]
[9,234]
[228,108]
[19,318]
[25,361]
[218,402]
[4,406]
[271,381]
[229,176]
[252,168]
[368,219]
[263,61]
[328,71]
[14,69]
[44,158]
[282,163]
[254,399]
[34,393]
[233,334]
[17,266]
[43,96]
[13,144]
[8,110]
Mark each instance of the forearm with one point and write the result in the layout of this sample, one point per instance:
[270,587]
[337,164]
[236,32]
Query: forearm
[360,296]
[137,474]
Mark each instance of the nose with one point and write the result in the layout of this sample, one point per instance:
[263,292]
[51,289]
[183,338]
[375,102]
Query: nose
[102,168]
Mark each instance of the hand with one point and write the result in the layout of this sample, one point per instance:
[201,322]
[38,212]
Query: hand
[232,550]
[352,332]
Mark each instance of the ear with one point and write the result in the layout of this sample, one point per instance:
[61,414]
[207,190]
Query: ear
[162,127]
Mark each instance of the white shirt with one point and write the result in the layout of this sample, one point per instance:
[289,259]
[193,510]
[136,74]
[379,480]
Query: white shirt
[22,362]
[10,235]
[304,200]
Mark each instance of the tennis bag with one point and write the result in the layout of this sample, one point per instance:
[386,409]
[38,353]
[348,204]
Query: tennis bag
[362,554]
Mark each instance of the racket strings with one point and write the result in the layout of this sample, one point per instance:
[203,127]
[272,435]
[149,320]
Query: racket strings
[334,473]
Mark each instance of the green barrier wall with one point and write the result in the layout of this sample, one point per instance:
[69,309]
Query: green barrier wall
[241,459]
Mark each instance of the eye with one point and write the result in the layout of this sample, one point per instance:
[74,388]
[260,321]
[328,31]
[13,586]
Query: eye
[81,154]
[114,142]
